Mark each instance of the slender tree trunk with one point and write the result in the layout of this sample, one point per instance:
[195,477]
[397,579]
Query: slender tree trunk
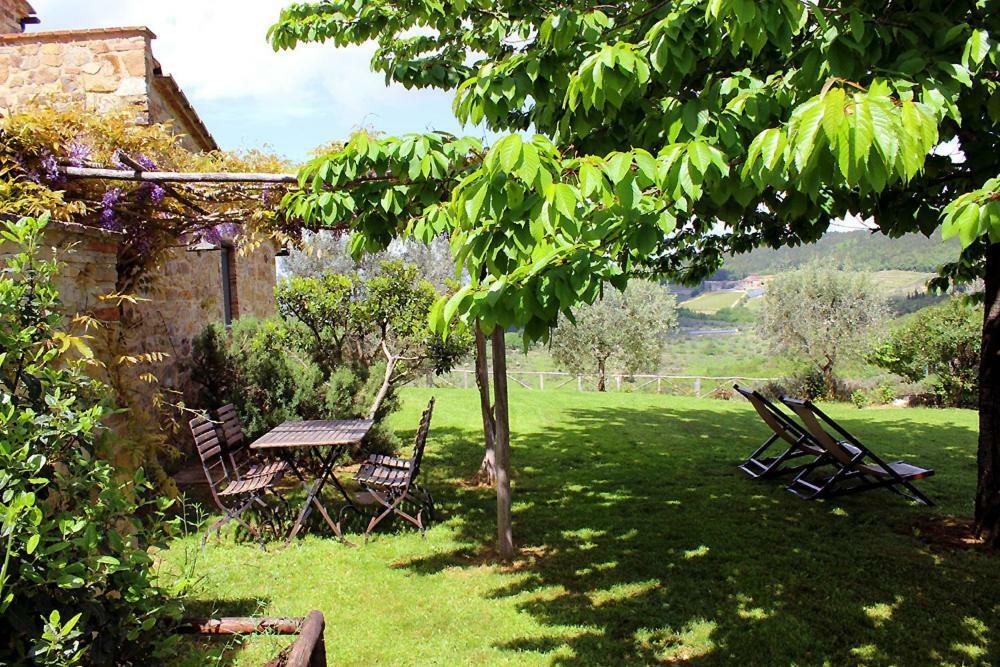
[487,470]
[988,490]
[829,380]
[390,367]
[501,442]
[602,375]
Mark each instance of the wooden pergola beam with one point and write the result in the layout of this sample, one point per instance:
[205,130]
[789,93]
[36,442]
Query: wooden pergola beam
[176,176]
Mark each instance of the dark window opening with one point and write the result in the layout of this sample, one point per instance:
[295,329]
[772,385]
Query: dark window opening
[230,308]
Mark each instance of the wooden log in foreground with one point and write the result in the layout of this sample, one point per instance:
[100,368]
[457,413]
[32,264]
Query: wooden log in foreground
[176,176]
[240,625]
[308,650]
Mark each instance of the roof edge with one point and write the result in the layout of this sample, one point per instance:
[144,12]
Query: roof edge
[81,33]
[176,97]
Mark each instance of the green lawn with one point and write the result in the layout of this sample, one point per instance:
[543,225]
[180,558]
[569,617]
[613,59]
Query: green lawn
[712,302]
[645,545]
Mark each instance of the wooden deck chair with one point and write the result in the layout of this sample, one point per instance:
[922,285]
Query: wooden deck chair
[391,482]
[799,442]
[242,461]
[857,467]
[231,495]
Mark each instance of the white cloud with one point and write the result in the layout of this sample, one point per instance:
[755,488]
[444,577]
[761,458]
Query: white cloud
[218,53]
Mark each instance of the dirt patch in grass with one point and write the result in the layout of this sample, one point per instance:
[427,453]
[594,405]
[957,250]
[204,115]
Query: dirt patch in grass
[948,532]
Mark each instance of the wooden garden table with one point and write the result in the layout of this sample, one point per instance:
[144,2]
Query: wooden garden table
[334,434]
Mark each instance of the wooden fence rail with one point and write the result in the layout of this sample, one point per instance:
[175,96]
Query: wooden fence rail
[308,649]
[683,385]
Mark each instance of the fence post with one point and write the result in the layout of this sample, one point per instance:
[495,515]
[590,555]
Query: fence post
[618,382]
[465,380]
[541,381]
[697,387]
[579,383]
[430,379]
[658,380]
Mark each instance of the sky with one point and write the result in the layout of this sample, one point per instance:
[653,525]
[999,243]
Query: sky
[248,95]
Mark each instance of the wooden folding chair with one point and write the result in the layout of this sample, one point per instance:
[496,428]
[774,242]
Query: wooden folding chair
[800,443]
[242,461]
[391,482]
[244,493]
[857,467]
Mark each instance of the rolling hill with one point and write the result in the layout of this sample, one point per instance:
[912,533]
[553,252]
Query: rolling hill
[860,251]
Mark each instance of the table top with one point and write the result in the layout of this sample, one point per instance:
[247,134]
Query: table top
[314,433]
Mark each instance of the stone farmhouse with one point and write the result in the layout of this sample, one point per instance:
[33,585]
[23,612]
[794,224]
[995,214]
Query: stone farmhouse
[113,68]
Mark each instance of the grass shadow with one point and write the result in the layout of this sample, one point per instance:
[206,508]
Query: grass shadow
[651,547]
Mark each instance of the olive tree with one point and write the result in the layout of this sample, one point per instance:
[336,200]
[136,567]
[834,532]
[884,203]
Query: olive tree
[621,331]
[670,135]
[822,316]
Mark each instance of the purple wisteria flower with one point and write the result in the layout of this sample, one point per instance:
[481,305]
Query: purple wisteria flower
[225,230]
[145,162]
[50,169]
[78,152]
[157,193]
[109,219]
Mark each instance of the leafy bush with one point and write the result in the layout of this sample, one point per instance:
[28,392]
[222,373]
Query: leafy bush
[860,398]
[940,346]
[76,584]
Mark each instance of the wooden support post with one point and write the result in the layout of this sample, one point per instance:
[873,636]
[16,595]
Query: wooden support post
[697,387]
[618,382]
[579,383]
[658,380]
[541,381]
[501,442]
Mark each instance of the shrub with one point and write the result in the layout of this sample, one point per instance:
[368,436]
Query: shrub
[860,398]
[76,583]
[255,367]
[940,346]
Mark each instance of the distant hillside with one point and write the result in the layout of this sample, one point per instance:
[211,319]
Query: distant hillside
[860,251]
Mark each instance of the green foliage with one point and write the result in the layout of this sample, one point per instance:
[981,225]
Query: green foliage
[77,584]
[822,316]
[623,331]
[778,118]
[939,345]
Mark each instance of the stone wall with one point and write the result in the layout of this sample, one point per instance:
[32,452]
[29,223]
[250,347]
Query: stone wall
[184,295]
[102,70]
[88,256]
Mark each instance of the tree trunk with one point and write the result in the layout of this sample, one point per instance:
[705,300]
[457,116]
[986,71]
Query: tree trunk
[988,490]
[829,381]
[501,442]
[390,367]
[602,376]
[487,469]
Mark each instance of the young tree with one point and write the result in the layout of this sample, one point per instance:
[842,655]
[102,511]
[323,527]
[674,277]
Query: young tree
[625,331]
[780,116]
[823,316]
[940,341]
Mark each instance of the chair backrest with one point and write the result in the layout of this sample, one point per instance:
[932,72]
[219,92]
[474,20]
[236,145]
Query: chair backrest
[233,438]
[210,451]
[421,439]
[809,414]
[772,416]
